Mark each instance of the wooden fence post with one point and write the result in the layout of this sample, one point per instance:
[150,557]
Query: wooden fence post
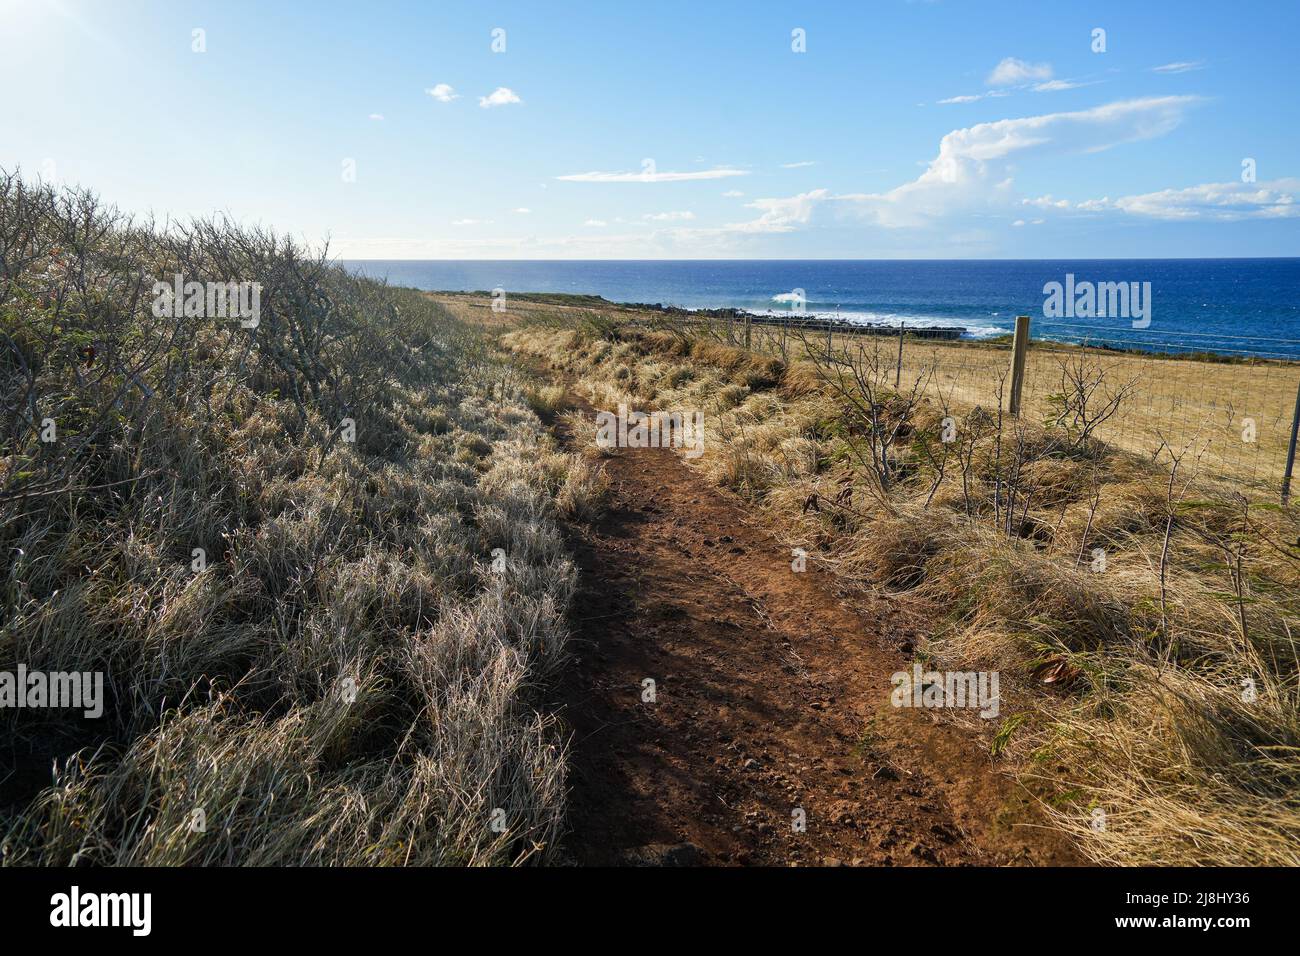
[898,369]
[747,324]
[1290,452]
[1019,346]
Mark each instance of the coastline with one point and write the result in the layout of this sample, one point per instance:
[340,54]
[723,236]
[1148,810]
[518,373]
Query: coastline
[1241,307]
[823,322]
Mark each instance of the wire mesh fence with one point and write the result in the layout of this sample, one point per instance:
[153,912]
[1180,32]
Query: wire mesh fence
[1234,411]
[1231,410]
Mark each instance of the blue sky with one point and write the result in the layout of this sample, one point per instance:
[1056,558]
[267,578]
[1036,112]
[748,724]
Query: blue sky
[937,129]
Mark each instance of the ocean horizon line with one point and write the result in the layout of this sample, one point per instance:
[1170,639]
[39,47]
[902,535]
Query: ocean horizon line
[346,259]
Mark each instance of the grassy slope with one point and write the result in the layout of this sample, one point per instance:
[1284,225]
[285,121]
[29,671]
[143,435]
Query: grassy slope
[349,681]
[1130,708]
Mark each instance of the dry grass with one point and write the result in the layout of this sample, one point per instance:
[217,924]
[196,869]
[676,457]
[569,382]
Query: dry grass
[1154,698]
[353,679]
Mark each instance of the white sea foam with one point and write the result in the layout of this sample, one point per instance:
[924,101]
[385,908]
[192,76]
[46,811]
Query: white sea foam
[973,331]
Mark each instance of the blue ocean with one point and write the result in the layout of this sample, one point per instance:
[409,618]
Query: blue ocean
[1230,306]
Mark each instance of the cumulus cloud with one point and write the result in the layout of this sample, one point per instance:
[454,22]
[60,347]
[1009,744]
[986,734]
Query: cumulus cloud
[972,172]
[501,96]
[973,163]
[1012,71]
[443,93]
[782,215]
[649,177]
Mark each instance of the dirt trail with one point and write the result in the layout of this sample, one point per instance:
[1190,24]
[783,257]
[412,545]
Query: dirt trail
[770,695]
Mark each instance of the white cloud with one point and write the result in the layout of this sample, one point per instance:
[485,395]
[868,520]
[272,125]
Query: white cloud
[975,97]
[501,96]
[669,216]
[806,162]
[782,215]
[1012,74]
[595,222]
[1053,86]
[1047,202]
[523,210]
[1092,129]
[376,116]
[471,222]
[733,194]
[1012,71]
[1217,202]
[443,93]
[1180,67]
[647,177]
[973,173]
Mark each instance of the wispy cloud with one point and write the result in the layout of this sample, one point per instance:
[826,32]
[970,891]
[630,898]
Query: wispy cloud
[669,216]
[1180,67]
[1012,71]
[1012,74]
[523,210]
[443,93]
[974,97]
[799,165]
[648,177]
[595,222]
[1053,86]
[501,96]
[376,116]
[733,194]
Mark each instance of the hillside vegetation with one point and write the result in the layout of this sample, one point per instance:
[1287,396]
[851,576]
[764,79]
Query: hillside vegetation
[279,544]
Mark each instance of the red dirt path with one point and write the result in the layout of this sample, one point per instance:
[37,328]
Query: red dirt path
[771,694]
